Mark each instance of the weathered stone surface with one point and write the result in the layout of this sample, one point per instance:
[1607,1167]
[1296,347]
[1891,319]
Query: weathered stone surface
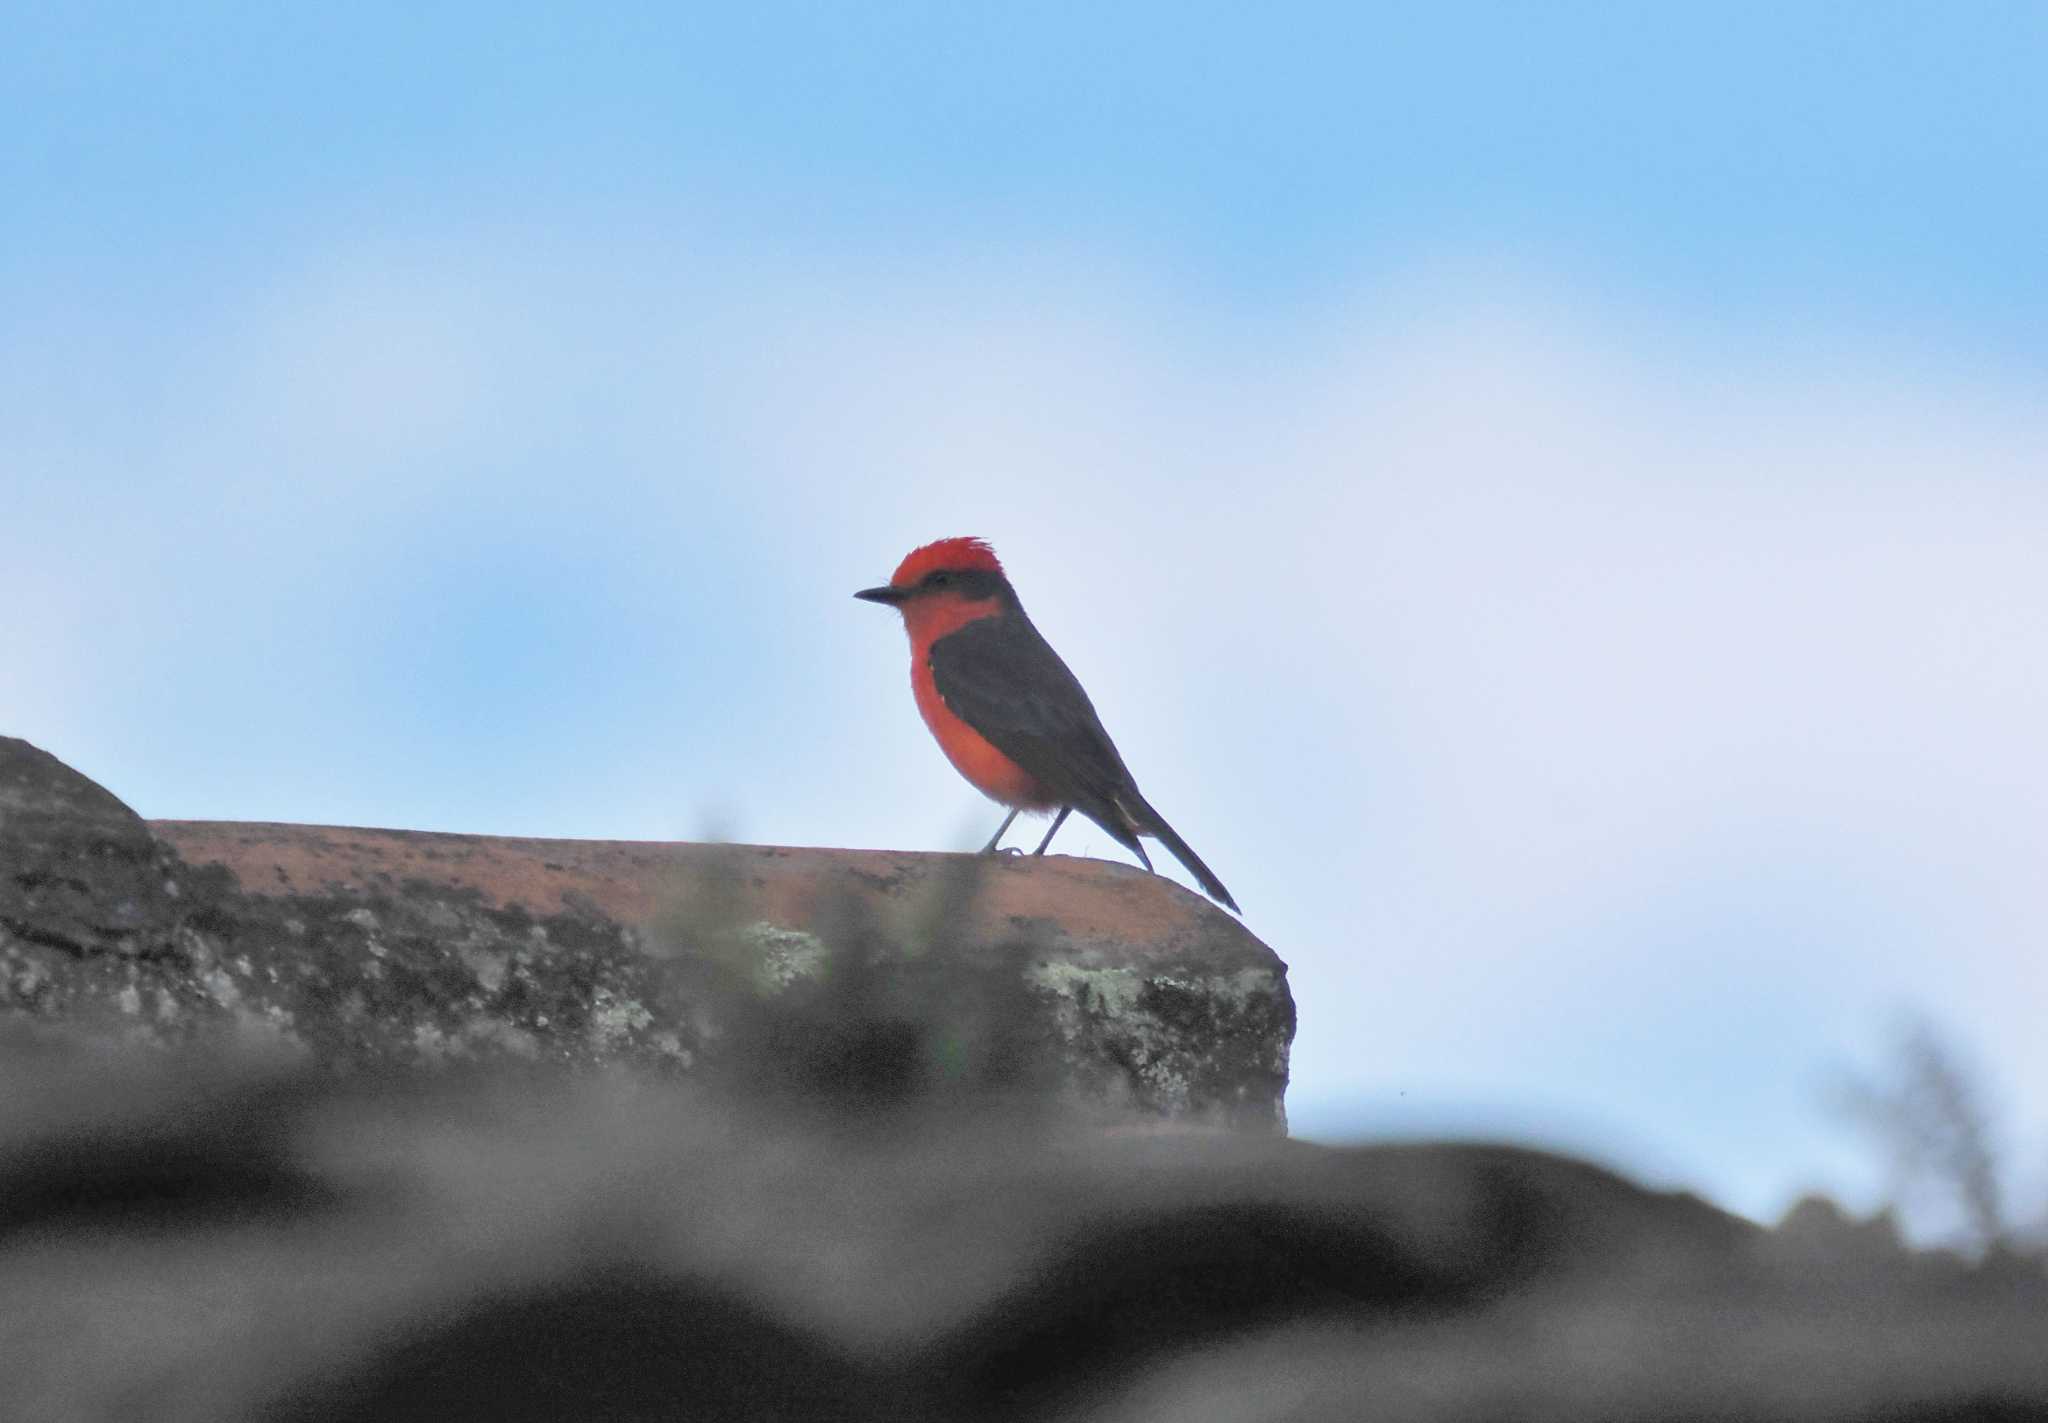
[1072,978]
[82,874]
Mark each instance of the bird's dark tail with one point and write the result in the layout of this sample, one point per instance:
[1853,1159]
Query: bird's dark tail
[1151,822]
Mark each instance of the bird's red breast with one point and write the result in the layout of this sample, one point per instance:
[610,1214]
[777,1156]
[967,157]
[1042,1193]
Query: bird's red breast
[986,769]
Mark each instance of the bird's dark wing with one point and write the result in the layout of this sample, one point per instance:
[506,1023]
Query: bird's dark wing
[1003,679]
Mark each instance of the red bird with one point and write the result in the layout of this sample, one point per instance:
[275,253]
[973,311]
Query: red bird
[1006,711]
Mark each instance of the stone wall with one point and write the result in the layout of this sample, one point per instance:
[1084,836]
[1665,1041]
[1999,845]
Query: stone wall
[1088,981]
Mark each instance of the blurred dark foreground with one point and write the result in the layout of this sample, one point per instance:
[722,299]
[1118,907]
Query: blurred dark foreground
[223,1238]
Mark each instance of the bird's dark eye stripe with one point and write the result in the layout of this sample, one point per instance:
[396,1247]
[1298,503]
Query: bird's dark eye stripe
[968,582]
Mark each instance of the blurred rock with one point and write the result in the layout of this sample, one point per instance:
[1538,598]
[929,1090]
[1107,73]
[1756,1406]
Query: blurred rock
[200,1238]
[1817,1230]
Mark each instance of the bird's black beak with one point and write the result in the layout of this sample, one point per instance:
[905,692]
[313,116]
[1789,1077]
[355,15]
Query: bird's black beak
[883,594]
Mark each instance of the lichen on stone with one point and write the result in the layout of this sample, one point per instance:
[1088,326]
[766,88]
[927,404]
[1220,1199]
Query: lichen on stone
[1110,991]
[780,957]
[613,1019]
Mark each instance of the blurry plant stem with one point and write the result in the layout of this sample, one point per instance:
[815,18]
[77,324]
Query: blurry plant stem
[1929,1117]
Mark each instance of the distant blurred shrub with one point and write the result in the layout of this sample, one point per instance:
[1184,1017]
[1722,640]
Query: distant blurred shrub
[1926,1111]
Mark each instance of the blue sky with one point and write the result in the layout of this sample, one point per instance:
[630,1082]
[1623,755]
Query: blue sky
[1567,481]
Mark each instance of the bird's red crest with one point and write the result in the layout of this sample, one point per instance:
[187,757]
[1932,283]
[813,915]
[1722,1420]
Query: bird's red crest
[972,554]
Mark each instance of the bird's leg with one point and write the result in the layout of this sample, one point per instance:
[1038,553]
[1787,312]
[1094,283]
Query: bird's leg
[1057,822]
[996,839]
